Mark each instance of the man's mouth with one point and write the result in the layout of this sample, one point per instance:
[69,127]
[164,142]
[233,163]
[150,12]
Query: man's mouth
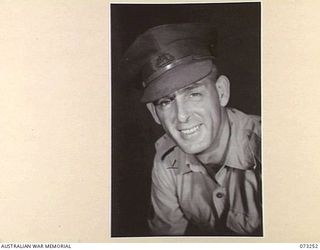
[190,131]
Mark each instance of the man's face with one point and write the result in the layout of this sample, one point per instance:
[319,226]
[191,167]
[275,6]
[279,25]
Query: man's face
[192,116]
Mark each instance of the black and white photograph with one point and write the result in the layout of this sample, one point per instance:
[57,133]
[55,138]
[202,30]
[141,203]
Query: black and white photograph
[160,122]
[186,120]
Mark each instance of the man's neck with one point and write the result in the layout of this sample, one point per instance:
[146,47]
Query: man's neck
[216,154]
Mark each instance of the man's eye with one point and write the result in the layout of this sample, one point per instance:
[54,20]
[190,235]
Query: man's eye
[195,94]
[164,103]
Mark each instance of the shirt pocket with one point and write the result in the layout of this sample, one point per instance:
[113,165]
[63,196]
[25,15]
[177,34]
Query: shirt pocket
[244,224]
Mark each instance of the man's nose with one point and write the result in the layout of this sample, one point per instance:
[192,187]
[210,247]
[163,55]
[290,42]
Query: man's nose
[182,111]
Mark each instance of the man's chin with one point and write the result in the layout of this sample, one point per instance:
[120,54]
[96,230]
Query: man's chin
[192,149]
[192,145]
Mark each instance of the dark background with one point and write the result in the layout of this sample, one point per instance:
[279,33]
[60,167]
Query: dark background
[133,130]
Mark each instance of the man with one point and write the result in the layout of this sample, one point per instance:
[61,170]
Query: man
[206,173]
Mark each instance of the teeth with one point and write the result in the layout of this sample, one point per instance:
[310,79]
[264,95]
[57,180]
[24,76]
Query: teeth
[190,131]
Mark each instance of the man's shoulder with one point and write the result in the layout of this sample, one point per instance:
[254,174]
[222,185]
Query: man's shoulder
[166,157]
[164,143]
[165,148]
[245,138]
[245,122]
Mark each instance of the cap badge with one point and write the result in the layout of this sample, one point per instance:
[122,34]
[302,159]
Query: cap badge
[164,59]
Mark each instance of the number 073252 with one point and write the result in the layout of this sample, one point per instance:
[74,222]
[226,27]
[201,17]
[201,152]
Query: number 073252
[307,245]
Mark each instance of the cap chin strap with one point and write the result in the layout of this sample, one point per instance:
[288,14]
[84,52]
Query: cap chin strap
[170,66]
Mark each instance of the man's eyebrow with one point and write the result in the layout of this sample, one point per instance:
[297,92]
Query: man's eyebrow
[171,97]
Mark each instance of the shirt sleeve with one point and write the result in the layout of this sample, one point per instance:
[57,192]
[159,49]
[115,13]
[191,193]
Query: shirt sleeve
[168,219]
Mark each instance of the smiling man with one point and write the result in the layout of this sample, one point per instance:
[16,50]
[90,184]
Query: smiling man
[206,173]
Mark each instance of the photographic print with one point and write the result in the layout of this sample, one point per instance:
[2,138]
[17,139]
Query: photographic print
[186,125]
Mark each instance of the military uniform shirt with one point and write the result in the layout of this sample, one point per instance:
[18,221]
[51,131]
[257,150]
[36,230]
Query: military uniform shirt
[183,192]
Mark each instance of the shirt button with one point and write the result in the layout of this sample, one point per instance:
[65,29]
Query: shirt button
[219,195]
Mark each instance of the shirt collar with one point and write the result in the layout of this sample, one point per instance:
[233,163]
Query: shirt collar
[192,164]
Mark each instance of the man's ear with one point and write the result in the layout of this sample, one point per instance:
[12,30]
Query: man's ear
[223,89]
[153,112]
